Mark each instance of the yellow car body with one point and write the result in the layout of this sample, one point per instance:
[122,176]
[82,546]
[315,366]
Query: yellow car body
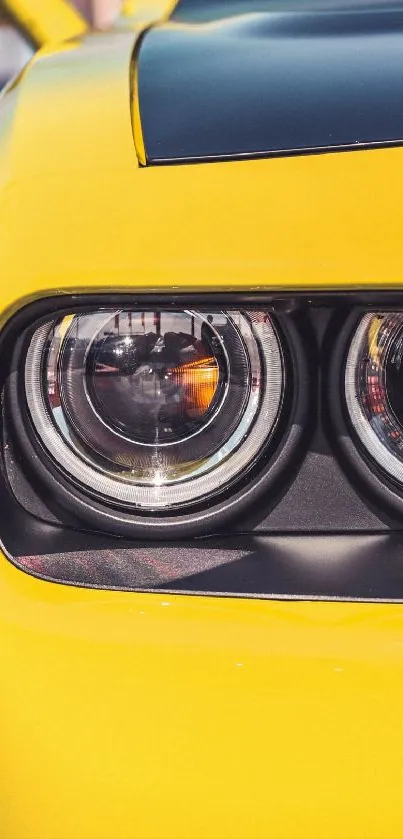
[149,716]
[45,21]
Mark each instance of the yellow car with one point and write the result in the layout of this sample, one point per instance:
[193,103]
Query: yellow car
[201,569]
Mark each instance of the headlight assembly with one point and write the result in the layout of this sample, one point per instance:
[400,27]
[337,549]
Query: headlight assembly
[155,416]
[154,410]
[271,424]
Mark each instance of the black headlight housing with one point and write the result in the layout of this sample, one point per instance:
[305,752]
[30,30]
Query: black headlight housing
[311,514]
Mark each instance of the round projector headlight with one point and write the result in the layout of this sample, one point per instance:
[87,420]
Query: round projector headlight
[155,410]
[374,389]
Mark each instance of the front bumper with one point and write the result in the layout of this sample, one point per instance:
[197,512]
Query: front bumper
[145,715]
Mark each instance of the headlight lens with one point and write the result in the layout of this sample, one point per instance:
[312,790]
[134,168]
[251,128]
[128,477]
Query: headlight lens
[155,409]
[374,389]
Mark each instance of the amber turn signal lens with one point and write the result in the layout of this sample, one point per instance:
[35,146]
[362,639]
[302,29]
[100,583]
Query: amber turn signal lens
[198,380]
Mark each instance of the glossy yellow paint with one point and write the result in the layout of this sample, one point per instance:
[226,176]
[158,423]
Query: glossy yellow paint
[94,218]
[137,126]
[147,10]
[137,716]
[45,21]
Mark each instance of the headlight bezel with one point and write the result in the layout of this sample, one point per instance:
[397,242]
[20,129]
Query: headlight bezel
[283,455]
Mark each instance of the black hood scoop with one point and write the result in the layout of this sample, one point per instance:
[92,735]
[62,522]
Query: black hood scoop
[243,79]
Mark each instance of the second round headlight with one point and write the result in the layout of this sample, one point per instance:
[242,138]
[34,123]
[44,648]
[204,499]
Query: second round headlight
[155,410]
[374,389]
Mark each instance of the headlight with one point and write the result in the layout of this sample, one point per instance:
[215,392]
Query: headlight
[155,410]
[374,389]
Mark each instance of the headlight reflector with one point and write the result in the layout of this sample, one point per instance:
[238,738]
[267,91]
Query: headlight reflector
[155,409]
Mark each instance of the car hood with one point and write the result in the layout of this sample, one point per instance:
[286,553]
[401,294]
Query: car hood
[78,212]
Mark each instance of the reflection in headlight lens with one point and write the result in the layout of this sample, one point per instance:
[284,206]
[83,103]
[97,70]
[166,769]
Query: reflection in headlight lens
[155,409]
[156,389]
